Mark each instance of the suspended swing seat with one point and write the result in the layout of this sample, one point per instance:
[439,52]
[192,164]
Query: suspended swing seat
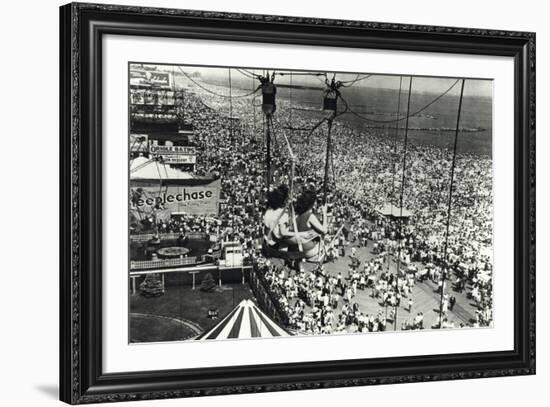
[289,248]
[272,252]
[306,245]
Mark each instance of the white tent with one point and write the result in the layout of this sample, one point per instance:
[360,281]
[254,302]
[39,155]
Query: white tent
[245,321]
[390,209]
[147,169]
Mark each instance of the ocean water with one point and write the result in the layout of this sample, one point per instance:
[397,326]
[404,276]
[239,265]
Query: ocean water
[437,122]
[434,126]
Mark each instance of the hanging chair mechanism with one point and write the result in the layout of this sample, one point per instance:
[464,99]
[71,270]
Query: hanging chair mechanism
[269,90]
[293,248]
[330,97]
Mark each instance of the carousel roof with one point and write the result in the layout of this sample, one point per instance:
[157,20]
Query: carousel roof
[245,321]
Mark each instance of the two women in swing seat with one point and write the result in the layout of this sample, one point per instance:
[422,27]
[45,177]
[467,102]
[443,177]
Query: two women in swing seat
[279,233]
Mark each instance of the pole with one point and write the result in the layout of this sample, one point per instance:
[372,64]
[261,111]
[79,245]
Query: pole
[398,267]
[253,112]
[182,104]
[327,158]
[230,111]
[268,153]
[449,206]
[395,140]
[392,199]
[290,101]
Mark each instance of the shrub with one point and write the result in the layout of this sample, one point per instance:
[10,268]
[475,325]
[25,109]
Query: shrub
[208,283]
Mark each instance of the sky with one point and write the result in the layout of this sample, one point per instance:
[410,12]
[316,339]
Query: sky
[472,87]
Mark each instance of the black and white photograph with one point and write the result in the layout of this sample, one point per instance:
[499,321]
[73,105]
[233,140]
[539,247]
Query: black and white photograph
[275,203]
[268,203]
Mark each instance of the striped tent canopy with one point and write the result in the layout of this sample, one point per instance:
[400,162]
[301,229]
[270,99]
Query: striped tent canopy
[245,321]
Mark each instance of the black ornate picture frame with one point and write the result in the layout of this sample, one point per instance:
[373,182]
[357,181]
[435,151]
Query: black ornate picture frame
[81,375]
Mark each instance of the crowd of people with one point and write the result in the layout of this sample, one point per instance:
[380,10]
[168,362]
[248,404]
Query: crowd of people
[231,146]
[317,301]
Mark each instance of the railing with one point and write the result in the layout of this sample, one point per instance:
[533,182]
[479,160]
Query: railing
[268,302]
[139,238]
[145,237]
[163,263]
[197,235]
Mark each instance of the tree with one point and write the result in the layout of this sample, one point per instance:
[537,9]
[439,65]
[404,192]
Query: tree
[208,283]
[152,286]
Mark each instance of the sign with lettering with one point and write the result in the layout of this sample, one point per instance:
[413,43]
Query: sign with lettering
[179,159]
[153,97]
[193,199]
[165,150]
[158,79]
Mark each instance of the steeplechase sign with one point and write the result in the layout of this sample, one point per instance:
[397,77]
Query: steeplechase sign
[201,199]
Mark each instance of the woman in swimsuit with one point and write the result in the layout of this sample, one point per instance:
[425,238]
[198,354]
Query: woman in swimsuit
[307,222]
[277,233]
[276,218]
